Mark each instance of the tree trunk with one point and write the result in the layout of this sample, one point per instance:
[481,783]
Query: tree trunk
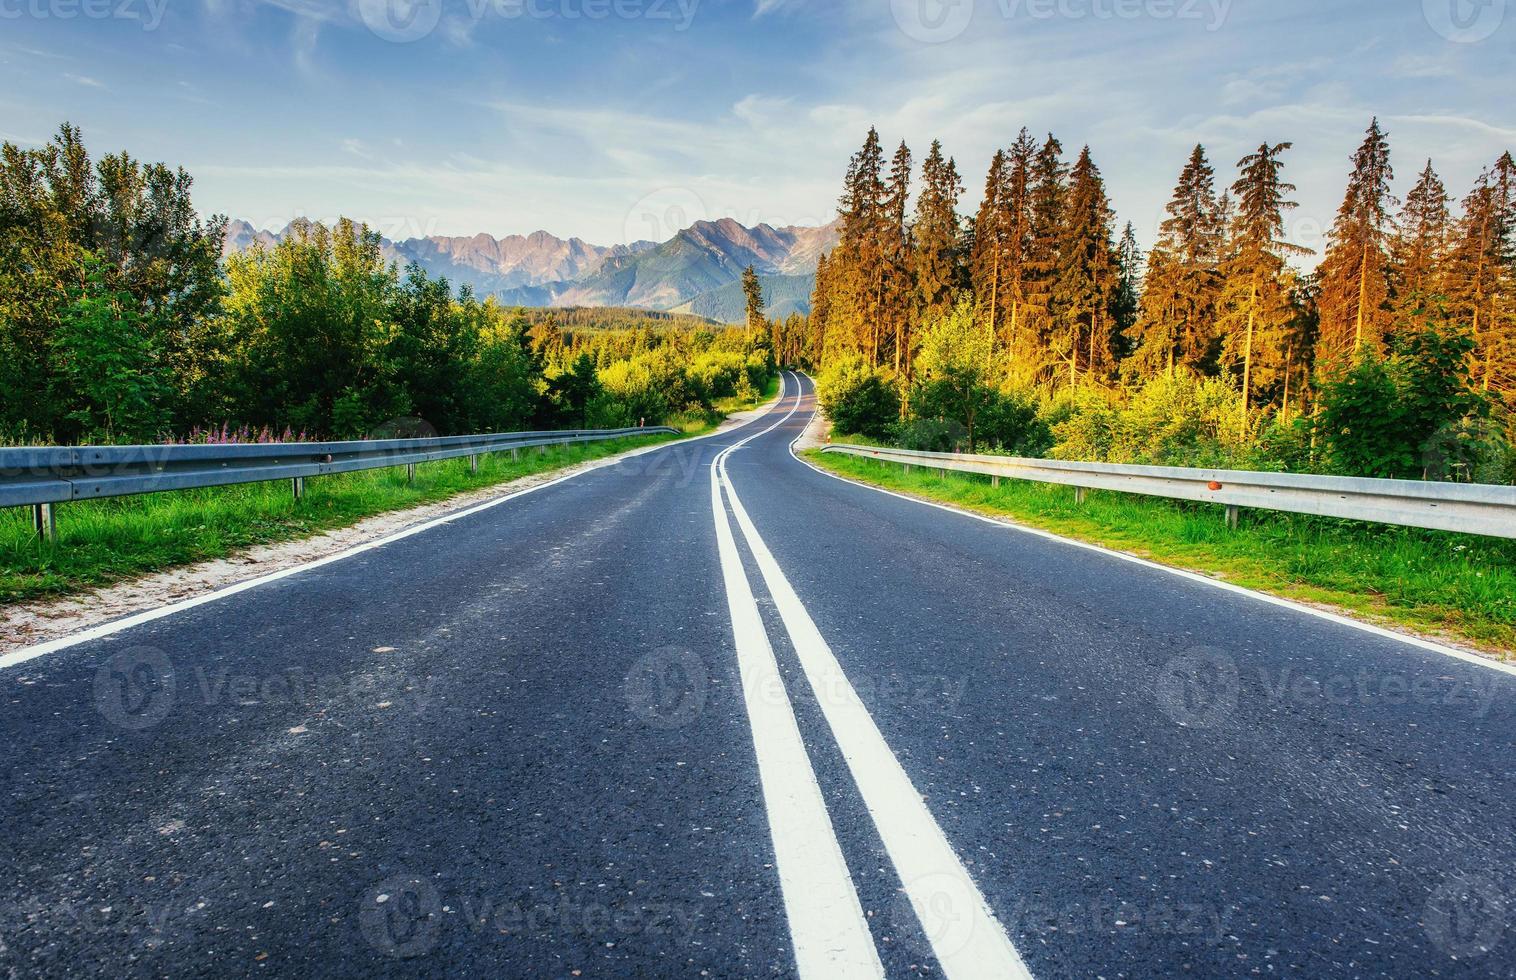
[1363,292]
[1247,361]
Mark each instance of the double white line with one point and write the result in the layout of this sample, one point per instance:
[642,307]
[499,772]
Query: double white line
[828,929]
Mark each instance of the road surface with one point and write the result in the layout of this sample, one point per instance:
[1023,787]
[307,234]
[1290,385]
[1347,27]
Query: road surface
[711,712]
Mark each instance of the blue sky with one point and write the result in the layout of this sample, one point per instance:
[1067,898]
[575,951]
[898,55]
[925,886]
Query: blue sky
[618,119]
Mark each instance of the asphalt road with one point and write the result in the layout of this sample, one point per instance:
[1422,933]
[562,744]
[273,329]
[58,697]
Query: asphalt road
[710,712]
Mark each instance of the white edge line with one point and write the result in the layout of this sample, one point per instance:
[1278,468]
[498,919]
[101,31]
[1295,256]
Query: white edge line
[25,654]
[1415,641]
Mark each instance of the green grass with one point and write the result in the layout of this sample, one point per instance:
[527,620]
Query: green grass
[1457,586]
[727,406]
[104,541]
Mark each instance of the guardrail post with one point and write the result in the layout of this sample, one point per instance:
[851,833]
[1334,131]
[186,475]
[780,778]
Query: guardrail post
[297,484]
[1079,493]
[410,473]
[515,454]
[473,465]
[995,482]
[44,521]
[1233,513]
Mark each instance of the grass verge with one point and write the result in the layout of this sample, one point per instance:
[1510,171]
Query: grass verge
[105,541]
[1459,587]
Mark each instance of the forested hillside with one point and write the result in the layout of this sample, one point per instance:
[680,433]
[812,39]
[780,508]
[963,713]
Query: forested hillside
[120,321]
[1037,324]
[783,295]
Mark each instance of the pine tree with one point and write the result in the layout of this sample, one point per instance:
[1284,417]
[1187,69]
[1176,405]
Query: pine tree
[990,242]
[1045,232]
[1129,277]
[818,322]
[1354,276]
[1419,248]
[1085,282]
[752,291]
[1482,277]
[1177,322]
[1016,216]
[896,291]
[856,270]
[935,260]
[1255,302]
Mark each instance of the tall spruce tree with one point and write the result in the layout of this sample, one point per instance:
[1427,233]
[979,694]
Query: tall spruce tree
[857,262]
[1084,287]
[895,307]
[752,293]
[1045,234]
[1130,272]
[1419,248]
[935,258]
[1177,321]
[991,239]
[1354,275]
[1481,281]
[1257,283]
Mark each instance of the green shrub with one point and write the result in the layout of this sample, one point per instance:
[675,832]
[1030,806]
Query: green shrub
[858,398]
[1181,420]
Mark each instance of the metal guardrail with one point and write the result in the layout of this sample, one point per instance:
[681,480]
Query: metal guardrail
[1470,508]
[44,476]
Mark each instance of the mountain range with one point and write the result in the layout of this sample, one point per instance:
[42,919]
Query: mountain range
[697,271]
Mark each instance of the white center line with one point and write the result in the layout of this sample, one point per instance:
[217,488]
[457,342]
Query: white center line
[968,940]
[827,927]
